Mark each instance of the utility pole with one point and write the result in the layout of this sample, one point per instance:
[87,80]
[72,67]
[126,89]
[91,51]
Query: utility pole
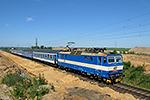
[36,43]
[18,46]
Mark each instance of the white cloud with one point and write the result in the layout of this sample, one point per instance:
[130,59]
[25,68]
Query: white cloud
[7,25]
[29,19]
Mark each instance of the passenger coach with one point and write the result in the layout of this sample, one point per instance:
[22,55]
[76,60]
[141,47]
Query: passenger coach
[46,55]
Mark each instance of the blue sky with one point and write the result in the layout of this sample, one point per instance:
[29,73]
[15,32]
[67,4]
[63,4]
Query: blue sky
[89,23]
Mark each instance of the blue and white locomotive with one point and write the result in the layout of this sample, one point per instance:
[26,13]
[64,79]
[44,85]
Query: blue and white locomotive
[107,66]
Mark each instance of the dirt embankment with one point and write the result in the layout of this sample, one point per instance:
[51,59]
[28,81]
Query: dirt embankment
[145,50]
[67,86]
[137,60]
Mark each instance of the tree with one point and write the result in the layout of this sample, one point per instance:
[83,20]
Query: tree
[42,47]
[45,47]
[50,48]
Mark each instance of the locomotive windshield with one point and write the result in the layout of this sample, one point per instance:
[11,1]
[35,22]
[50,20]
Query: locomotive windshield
[118,59]
[113,59]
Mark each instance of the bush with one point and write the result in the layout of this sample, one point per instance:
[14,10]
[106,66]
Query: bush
[126,66]
[24,87]
[11,79]
[124,52]
[115,51]
[135,76]
[42,80]
[120,52]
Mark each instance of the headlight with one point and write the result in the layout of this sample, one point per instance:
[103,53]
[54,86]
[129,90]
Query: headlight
[99,71]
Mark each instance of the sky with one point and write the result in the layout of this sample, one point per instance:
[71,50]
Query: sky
[88,23]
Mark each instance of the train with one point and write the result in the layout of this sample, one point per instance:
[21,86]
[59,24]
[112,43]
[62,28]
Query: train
[106,66]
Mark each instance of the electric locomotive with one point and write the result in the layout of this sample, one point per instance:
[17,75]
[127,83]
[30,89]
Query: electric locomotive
[103,65]
[107,66]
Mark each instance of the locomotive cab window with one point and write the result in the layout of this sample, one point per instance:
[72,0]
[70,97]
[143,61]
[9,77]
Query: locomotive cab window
[118,59]
[111,59]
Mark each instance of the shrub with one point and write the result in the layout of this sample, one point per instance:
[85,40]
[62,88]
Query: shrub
[126,66]
[115,51]
[18,92]
[24,87]
[124,52]
[11,79]
[42,80]
[120,52]
[135,76]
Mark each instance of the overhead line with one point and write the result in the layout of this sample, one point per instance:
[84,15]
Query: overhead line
[101,27]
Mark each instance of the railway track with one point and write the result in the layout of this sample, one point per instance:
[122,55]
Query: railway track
[119,87]
[136,92]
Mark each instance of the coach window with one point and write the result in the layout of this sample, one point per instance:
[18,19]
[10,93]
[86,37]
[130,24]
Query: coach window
[65,56]
[104,60]
[85,58]
[91,59]
[99,59]
[45,55]
[48,56]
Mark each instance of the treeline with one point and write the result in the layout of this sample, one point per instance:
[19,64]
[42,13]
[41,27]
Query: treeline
[42,47]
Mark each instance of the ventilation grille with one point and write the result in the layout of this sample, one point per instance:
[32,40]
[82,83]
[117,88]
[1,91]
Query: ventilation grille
[76,53]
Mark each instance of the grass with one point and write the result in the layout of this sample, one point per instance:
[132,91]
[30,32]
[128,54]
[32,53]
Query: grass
[119,49]
[135,76]
[26,88]
[7,50]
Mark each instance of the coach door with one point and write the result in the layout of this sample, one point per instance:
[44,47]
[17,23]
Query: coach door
[54,57]
[104,61]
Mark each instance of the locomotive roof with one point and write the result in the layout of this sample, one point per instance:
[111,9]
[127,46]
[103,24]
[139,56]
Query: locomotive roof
[88,53]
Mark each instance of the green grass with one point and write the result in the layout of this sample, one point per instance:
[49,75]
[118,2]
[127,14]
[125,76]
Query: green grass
[135,76]
[119,49]
[26,88]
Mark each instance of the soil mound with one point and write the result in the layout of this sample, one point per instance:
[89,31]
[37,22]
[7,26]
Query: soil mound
[145,50]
